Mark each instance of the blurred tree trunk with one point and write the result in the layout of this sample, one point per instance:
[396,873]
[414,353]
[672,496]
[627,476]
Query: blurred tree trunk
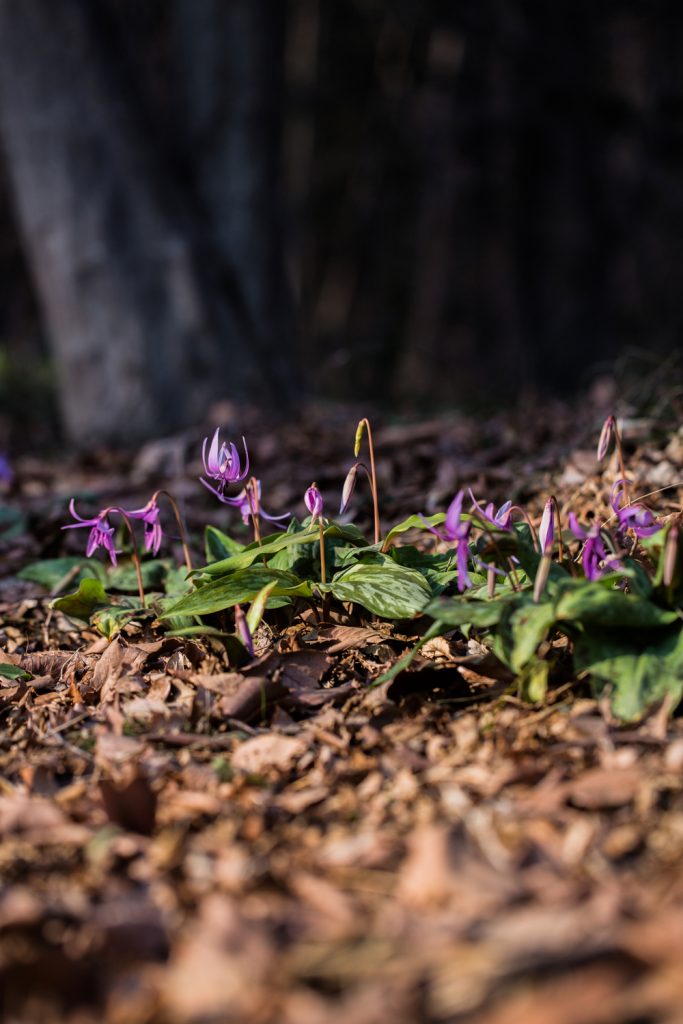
[145,324]
[227,69]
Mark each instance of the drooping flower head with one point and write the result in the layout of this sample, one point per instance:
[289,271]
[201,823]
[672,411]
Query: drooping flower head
[101,531]
[632,517]
[595,559]
[149,514]
[222,462]
[501,519]
[314,502]
[457,531]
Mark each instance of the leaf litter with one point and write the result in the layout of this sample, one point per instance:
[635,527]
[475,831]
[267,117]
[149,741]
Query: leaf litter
[185,839]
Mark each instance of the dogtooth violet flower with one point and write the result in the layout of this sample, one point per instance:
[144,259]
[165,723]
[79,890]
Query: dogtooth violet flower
[244,501]
[596,559]
[149,515]
[500,519]
[222,463]
[546,531]
[457,532]
[632,517]
[101,531]
[314,502]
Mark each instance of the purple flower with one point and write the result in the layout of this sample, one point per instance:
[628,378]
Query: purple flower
[546,531]
[244,501]
[632,517]
[153,531]
[608,436]
[101,533]
[223,464]
[314,502]
[458,532]
[243,631]
[500,519]
[6,471]
[596,559]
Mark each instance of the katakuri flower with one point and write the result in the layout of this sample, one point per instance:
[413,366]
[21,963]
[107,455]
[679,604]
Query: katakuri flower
[458,532]
[149,514]
[632,517]
[222,463]
[595,559]
[314,502]
[244,501]
[101,532]
[502,519]
[546,531]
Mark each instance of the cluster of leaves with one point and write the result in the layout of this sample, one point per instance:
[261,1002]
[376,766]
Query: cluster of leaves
[622,630]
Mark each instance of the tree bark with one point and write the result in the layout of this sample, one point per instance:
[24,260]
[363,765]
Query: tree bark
[142,333]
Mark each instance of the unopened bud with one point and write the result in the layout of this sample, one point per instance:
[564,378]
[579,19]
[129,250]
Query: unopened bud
[607,438]
[670,556]
[349,487]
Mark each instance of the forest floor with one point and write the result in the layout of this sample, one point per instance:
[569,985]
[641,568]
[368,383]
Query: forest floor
[182,842]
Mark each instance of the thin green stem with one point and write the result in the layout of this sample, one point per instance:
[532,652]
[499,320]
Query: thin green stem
[323,574]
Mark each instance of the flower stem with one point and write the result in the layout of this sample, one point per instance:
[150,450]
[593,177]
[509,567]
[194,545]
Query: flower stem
[373,479]
[622,467]
[181,527]
[136,553]
[251,490]
[560,546]
[323,574]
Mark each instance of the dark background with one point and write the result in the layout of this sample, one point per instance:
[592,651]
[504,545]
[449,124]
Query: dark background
[409,203]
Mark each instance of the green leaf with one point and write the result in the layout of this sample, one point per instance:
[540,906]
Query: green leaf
[52,571]
[254,552]
[258,606]
[414,522]
[638,672]
[236,588]
[592,603]
[109,621]
[526,624]
[460,611]
[14,672]
[124,577]
[533,681]
[218,545]
[81,604]
[389,590]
